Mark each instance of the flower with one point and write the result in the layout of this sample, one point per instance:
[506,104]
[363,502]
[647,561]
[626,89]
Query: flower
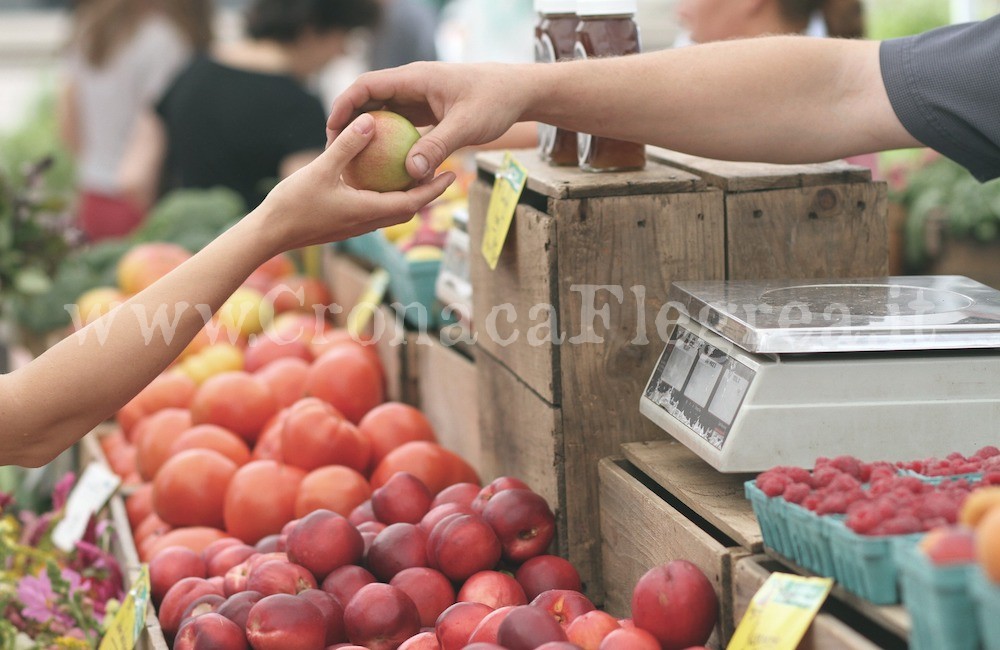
[38,598]
[60,493]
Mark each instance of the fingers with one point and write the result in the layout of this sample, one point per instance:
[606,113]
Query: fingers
[349,143]
[406,204]
[431,149]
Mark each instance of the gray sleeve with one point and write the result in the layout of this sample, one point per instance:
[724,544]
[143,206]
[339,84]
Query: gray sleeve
[945,89]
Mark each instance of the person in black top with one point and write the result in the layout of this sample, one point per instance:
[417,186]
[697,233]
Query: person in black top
[241,117]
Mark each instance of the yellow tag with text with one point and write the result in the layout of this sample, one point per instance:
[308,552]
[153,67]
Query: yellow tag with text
[130,619]
[364,311]
[780,613]
[507,188]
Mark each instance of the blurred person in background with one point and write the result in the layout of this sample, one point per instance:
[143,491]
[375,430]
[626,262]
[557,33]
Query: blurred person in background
[241,116]
[717,20]
[122,54]
[404,34]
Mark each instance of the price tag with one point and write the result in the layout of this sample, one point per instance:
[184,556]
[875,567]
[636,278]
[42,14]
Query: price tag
[130,619]
[89,495]
[361,315]
[780,613]
[507,188]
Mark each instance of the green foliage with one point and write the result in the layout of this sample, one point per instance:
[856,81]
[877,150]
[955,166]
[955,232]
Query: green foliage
[38,139]
[191,218]
[887,19]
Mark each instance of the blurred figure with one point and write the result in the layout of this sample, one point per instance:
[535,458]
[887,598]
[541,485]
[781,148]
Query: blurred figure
[404,34]
[241,116]
[717,20]
[122,55]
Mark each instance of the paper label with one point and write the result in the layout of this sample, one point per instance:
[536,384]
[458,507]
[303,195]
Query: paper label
[130,619]
[507,189]
[364,311]
[89,495]
[780,613]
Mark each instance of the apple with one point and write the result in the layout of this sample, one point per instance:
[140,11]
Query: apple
[225,559]
[429,590]
[381,617]
[486,631]
[630,639]
[398,547]
[461,493]
[402,499]
[545,572]
[323,541]
[170,566]
[563,605]
[438,513]
[177,599]
[285,622]
[210,632]
[523,521]
[588,630]
[492,588]
[278,577]
[455,625]
[237,607]
[381,165]
[346,581]
[497,485]
[527,627]
[332,611]
[461,545]
[676,603]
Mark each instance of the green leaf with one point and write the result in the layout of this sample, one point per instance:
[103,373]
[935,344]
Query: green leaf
[32,282]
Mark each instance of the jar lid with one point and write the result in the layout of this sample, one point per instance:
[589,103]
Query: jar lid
[555,6]
[606,7]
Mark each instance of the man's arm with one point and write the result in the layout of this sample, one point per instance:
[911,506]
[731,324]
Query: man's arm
[58,397]
[775,99]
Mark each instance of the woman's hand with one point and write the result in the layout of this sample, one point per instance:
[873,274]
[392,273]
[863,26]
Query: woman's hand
[466,105]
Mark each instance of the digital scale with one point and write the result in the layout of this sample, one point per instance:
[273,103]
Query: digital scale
[763,373]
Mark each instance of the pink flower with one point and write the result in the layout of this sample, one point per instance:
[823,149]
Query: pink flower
[60,493]
[36,594]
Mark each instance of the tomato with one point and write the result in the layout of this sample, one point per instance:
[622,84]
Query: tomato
[237,401]
[196,538]
[436,466]
[391,425]
[286,378]
[261,499]
[209,436]
[349,379]
[155,435]
[139,504]
[337,488]
[315,435]
[190,488]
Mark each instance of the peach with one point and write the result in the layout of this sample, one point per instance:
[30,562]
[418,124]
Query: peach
[545,572]
[486,631]
[333,612]
[228,557]
[202,605]
[455,625]
[398,547]
[949,545]
[422,641]
[144,264]
[493,589]
[170,567]
[630,639]
[278,577]
[211,632]
[588,630]
[381,617]
[323,541]
[461,493]
[237,607]
[497,485]
[271,543]
[527,627]
[285,622]
[402,499]
[440,512]
[381,165]
[215,547]
[564,605]
[362,513]
[523,521]
[346,581]
[235,579]
[461,545]
[429,590]
[675,603]
[372,527]
[177,599]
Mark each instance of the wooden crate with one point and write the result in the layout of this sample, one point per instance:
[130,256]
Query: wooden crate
[636,233]
[448,397]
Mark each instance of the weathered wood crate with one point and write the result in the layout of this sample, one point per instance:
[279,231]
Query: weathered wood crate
[448,395]
[572,320]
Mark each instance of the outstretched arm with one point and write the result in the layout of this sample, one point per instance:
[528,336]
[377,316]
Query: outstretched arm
[54,400]
[782,99]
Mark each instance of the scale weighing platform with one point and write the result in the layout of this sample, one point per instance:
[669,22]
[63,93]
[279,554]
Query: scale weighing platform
[763,373]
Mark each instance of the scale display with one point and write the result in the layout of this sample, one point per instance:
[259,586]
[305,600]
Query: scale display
[700,385]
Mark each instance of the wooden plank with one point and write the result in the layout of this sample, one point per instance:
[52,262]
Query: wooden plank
[346,280]
[448,397]
[394,347]
[509,313]
[717,497]
[827,631]
[735,176]
[637,246]
[817,232]
[571,183]
[521,434]
[640,530]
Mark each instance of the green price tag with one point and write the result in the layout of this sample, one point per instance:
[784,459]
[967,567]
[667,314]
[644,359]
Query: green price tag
[130,619]
[780,613]
[507,189]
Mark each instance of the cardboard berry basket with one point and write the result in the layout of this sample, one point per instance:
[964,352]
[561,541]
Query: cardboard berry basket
[986,598]
[940,600]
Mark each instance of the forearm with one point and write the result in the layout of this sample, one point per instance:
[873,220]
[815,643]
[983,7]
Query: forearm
[85,378]
[782,99]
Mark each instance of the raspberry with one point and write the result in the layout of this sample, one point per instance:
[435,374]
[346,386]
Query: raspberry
[937,506]
[987,452]
[796,492]
[773,485]
[863,520]
[902,524]
[823,476]
[992,478]
[832,504]
[844,483]
[848,464]
[811,501]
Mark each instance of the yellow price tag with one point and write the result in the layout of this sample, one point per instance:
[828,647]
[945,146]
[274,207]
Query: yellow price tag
[130,619]
[364,311]
[507,188]
[780,613]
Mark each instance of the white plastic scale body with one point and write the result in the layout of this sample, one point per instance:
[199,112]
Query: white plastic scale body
[758,374]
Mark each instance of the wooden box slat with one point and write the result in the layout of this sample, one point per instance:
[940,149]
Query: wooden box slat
[449,398]
[717,497]
[570,182]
